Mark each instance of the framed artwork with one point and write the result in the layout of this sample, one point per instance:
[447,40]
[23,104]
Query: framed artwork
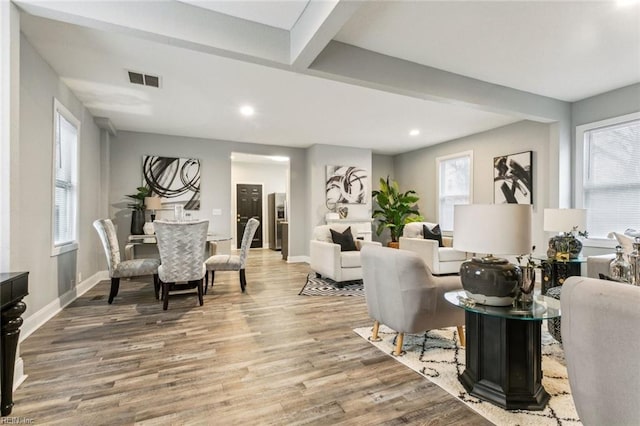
[513,178]
[346,185]
[177,180]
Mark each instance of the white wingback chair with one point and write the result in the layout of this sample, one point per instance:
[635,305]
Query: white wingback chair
[440,260]
[328,261]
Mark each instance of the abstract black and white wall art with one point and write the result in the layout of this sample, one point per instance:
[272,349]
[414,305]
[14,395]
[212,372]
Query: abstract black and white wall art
[513,178]
[346,185]
[176,180]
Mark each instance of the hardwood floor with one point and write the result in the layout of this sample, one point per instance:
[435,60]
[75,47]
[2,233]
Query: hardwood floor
[267,356]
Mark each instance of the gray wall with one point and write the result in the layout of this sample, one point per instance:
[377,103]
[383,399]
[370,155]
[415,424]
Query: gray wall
[615,103]
[417,169]
[128,148]
[51,277]
[318,158]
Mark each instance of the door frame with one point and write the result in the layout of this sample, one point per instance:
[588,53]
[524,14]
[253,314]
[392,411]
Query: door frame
[234,212]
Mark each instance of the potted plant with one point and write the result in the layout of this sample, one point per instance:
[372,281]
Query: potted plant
[395,209]
[137,205]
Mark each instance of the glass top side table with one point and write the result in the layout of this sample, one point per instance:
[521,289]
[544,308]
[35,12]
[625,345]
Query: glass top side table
[504,352]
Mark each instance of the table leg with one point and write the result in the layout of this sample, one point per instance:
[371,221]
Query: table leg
[11,322]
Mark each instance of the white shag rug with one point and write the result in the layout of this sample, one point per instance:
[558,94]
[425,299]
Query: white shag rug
[437,355]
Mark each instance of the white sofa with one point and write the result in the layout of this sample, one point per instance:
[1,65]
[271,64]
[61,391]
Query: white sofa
[440,260]
[328,261]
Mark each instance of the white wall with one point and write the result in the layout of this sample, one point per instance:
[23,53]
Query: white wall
[417,169]
[128,148]
[272,177]
[52,277]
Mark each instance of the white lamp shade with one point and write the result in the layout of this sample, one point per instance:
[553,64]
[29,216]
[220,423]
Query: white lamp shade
[564,220]
[153,203]
[492,228]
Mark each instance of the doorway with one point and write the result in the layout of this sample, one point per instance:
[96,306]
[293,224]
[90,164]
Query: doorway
[248,205]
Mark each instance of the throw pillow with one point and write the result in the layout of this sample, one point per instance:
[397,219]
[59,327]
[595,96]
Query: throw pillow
[344,239]
[608,278]
[433,234]
[625,241]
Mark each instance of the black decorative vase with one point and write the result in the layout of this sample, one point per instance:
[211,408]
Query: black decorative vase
[491,281]
[137,222]
[564,244]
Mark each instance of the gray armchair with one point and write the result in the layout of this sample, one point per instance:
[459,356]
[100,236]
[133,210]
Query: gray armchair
[601,340]
[402,294]
[231,262]
[123,269]
[182,247]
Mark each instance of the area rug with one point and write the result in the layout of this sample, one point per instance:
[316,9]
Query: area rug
[437,355]
[315,286]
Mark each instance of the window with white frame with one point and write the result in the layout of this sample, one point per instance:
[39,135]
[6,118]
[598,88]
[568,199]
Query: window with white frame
[66,129]
[455,185]
[609,187]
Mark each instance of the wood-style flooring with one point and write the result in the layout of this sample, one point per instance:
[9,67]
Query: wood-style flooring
[267,356]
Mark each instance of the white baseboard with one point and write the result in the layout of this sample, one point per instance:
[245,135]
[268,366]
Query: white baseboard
[36,320]
[298,259]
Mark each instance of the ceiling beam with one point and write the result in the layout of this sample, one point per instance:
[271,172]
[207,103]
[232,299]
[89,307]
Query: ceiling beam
[316,27]
[354,65]
[174,23]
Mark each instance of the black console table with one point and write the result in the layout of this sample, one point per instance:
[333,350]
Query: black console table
[555,272]
[13,287]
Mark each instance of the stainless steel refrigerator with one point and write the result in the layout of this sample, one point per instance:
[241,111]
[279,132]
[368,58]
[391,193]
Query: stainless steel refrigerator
[276,214]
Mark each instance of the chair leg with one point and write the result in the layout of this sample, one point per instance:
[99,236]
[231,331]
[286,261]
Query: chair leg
[115,286]
[165,296]
[374,333]
[243,280]
[206,281]
[399,341]
[156,286]
[462,337]
[200,291]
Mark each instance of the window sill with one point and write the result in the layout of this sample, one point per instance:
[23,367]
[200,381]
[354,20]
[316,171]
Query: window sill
[607,243]
[56,251]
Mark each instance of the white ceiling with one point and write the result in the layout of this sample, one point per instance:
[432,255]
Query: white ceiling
[567,50]
[278,14]
[562,50]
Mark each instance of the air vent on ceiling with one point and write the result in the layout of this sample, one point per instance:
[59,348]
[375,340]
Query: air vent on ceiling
[144,79]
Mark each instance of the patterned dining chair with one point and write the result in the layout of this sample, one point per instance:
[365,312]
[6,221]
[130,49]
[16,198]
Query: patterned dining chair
[182,253]
[232,262]
[123,269]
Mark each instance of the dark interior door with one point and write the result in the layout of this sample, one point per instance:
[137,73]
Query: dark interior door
[248,205]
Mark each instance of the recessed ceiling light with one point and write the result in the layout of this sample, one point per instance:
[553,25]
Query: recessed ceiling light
[247,111]
[414,132]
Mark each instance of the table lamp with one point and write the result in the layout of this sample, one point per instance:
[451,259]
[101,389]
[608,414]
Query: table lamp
[567,222]
[153,204]
[492,229]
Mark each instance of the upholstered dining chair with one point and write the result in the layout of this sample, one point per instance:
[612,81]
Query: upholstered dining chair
[403,294]
[182,252]
[232,262]
[123,269]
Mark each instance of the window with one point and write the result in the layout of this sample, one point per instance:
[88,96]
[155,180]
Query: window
[455,183]
[66,129]
[609,187]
